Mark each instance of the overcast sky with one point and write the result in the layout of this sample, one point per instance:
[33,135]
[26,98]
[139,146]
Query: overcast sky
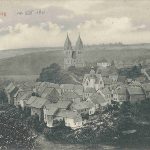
[97,21]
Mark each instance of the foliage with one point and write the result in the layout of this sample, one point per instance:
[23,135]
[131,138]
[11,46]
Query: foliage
[54,74]
[14,132]
[108,126]
[132,73]
[79,71]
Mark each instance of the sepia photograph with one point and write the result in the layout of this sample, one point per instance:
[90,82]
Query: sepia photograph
[74,75]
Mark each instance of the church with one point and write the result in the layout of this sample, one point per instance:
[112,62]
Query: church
[73,56]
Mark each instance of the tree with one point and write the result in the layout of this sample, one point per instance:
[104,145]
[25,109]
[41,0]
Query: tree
[54,74]
[125,117]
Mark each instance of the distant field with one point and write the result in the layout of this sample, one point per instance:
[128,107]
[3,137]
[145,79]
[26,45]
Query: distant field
[33,62]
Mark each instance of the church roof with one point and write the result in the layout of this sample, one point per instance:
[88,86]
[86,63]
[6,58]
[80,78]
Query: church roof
[79,44]
[67,45]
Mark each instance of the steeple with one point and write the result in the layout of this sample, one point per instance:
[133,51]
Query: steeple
[67,45]
[79,44]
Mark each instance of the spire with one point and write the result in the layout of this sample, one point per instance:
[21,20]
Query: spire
[67,45]
[79,43]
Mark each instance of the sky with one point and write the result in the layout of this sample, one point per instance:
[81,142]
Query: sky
[45,23]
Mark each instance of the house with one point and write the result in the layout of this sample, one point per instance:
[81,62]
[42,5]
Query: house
[49,115]
[110,72]
[98,101]
[56,86]
[104,72]
[146,88]
[88,92]
[106,93]
[107,81]
[50,94]
[10,91]
[103,63]
[56,112]
[36,105]
[71,96]
[113,73]
[78,89]
[39,88]
[40,85]
[71,118]
[19,94]
[119,94]
[135,94]
[84,108]
[52,108]
[122,79]
[80,107]
[135,83]
[23,99]
[93,80]
[30,101]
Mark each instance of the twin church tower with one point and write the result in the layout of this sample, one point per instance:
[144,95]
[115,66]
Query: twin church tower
[73,56]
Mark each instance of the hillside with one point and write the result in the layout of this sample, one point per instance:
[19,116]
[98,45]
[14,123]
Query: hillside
[33,62]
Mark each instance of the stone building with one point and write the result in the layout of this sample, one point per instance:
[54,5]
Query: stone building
[73,56]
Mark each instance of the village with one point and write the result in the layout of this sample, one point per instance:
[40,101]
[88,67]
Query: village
[76,103]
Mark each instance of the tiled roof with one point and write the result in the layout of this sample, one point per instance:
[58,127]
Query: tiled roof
[10,88]
[59,104]
[52,111]
[47,91]
[38,102]
[31,100]
[25,96]
[135,90]
[121,90]
[107,81]
[67,86]
[80,105]
[90,90]
[97,99]
[146,86]
[70,95]
[106,91]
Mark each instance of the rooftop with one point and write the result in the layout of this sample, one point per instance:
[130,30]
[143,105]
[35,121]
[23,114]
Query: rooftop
[97,99]
[38,102]
[135,90]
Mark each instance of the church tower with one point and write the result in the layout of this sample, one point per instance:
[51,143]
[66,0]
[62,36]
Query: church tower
[73,57]
[67,53]
[79,53]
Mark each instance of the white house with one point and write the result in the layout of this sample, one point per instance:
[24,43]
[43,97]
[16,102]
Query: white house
[103,63]
[71,118]
[84,108]
[98,101]
[93,80]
